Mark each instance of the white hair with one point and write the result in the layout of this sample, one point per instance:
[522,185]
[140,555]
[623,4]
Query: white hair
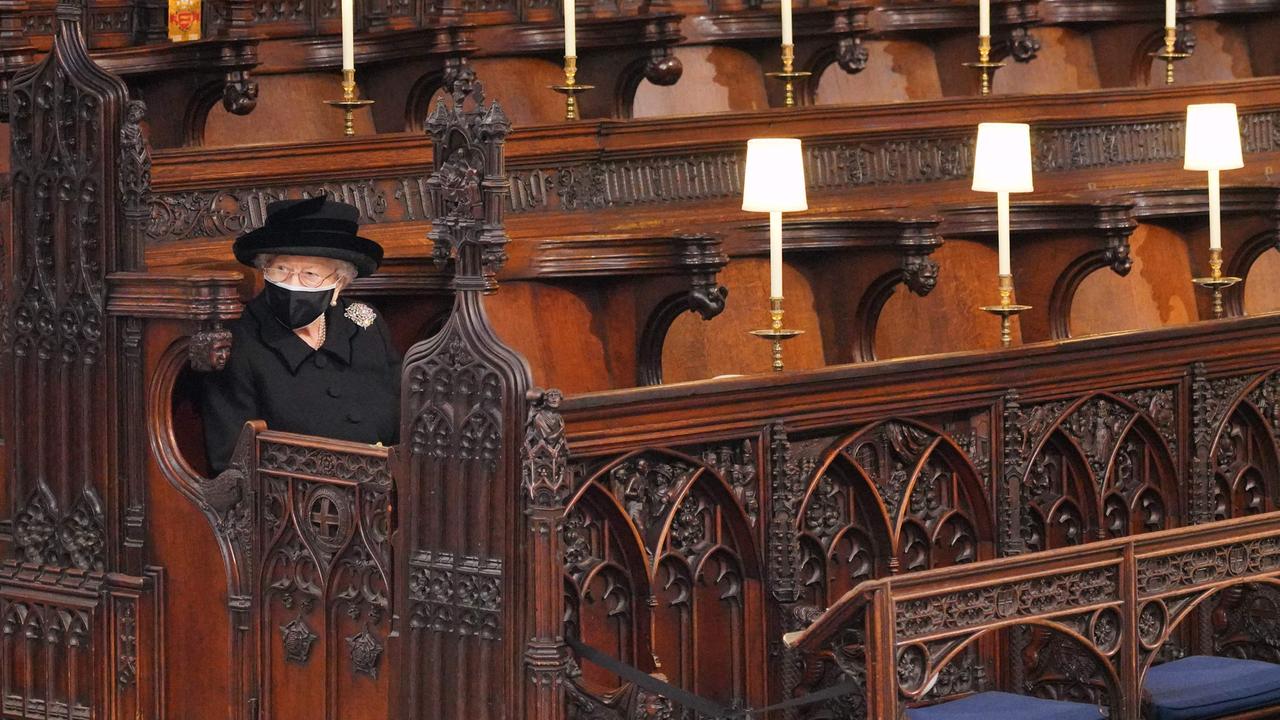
[345,269]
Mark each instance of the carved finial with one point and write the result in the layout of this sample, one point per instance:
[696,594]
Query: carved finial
[468,189]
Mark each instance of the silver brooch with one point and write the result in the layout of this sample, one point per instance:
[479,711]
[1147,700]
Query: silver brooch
[360,314]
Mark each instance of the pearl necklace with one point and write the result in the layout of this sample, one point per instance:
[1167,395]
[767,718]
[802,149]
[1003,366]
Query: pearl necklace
[324,328]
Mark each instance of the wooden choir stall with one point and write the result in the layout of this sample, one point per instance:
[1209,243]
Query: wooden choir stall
[594,463]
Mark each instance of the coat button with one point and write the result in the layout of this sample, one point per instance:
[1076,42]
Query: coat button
[334,391]
[321,360]
[354,417]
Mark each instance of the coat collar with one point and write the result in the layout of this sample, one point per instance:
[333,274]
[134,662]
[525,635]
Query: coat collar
[292,350]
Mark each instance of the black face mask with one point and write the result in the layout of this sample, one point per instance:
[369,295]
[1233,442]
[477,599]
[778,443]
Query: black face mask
[296,308]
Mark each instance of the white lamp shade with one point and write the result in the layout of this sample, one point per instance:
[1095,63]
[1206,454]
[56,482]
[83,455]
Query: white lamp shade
[775,176]
[1213,137]
[1002,158]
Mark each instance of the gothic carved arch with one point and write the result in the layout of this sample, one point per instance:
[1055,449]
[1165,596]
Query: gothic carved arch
[1244,464]
[1061,298]
[867,315]
[686,545]
[1140,492]
[1101,468]
[1159,619]
[921,665]
[924,501]
[605,572]
[1058,496]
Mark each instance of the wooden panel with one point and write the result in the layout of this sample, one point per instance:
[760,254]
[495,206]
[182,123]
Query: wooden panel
[292,110]
[898,70]
[1157,292]
[716,80]
[1262,286]
[698,349]
[1064,63]
[948,319]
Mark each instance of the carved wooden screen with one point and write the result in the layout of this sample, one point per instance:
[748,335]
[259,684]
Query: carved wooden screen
[898,495]
[70,382]
[1237,423]
[325,580]
[675,532]
[1101,466]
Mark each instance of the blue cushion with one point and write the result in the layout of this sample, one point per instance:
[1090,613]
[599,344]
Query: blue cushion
[990,705]
[1202,686]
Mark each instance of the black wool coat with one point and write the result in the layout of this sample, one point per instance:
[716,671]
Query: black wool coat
[349,389]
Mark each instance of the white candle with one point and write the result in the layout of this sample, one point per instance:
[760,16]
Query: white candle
[1215,212]
[775,254]
[348,36]
[1002,225]
[786,23]
[984,18]
[1170,13]
[570,28]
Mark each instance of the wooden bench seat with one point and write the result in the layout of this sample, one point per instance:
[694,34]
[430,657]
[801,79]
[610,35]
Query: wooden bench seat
[1202,687]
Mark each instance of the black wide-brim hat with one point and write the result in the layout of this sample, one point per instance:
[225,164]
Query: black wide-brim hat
[317,227]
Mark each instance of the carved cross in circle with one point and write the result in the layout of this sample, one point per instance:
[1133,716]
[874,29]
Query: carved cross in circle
[325,518]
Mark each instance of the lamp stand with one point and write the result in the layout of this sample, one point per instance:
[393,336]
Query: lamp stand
[984,65]
[1168,54]
[349,103]
[1217,282]
[775,333]
[571,88]
[1005,310]
[789,75]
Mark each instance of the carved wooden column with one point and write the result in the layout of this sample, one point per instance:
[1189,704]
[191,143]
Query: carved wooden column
[462,535]
[547,487]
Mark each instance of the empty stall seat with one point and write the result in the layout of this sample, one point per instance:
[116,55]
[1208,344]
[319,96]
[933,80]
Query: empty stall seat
[1201,687]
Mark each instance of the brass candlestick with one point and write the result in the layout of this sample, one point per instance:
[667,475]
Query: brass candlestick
[349,102]
[775,333]
[984,66]
[1217,282]
[571,88]
[1006,309]
[1169,54]
[789,75]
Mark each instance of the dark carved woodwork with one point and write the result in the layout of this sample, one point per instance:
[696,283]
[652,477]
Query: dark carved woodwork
[850,505]
[1071,238]
[75,591]
[649,171]
[462,410]
[1112,606]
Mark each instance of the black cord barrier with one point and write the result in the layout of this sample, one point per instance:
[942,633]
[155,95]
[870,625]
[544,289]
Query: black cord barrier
[697,703]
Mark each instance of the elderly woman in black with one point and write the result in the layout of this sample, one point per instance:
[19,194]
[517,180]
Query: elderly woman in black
[304,359]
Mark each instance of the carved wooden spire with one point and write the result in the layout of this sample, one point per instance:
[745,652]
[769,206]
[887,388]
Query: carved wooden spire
[463,409]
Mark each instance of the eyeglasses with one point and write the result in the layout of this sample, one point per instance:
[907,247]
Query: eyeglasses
[306,278]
